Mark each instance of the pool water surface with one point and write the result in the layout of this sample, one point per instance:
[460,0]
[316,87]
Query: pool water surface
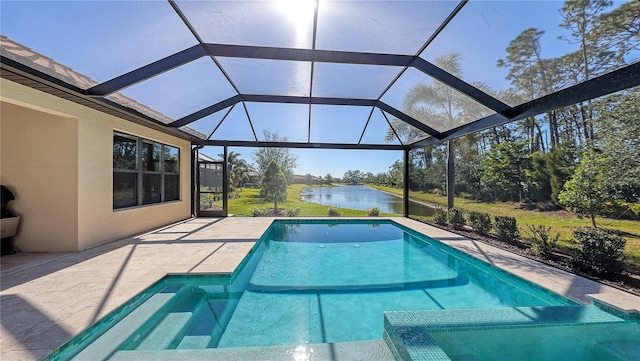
[318,283]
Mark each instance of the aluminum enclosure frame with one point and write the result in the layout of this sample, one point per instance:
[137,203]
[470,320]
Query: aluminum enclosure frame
[96,96]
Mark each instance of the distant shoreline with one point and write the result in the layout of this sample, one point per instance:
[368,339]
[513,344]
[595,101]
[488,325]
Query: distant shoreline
[428,204]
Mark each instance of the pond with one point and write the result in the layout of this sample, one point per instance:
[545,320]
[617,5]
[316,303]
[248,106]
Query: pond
[362,198]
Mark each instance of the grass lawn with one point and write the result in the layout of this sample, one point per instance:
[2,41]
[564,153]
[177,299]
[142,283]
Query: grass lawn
[561,222]
[250,199]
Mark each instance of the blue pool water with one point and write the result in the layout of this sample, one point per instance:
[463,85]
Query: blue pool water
[319,283]
[307,282]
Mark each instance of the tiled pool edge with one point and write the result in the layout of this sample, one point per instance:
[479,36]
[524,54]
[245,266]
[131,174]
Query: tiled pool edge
[412,346]
[408,333]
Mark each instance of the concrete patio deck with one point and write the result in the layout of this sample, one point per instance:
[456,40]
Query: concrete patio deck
[46,299]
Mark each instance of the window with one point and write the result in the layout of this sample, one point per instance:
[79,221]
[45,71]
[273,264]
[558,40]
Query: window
[144,171]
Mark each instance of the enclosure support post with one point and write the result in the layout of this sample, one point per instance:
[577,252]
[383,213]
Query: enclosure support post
[225,183]
[405,197]
[451,174]
[194,179]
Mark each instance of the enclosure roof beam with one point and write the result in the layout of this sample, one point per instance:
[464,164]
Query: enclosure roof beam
[304,100]
[460,85]
[300,145]
[36,79]
[615,81]
[146,72]
[292,54]
[244,51]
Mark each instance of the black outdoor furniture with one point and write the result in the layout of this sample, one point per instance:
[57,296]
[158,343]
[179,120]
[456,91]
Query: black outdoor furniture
[9,220]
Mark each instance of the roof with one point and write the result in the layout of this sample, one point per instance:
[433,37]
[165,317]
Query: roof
[319,74]
[10,49]
[206,158]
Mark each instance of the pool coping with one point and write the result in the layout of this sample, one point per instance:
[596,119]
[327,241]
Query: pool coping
[47,302]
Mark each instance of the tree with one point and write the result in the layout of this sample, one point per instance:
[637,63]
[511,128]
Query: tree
[283,156]
[560,164]
[238,169]
[382,179]
[530,73]
[274,185]
[468,160]
[308,179]
[369,177]
[539,179]
[328,179]
[442,108]
[618,128]
[620,27]
[607,180]
[396,174]
[585,194]
[593,57]
[353,176]
[581,18]
[503,170]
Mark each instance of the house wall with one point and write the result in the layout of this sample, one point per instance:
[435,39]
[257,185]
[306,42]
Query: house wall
[39,166]
[98,221]
[50,143]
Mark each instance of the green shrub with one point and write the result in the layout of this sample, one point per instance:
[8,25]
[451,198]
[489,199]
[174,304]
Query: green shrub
[292,212]
[480,222]
[332,212]
[506,228]
[206,200]
[455,218]
[542,243]
[373,212]
[440,216]
[621,210]
[466,195]
[258,212]
[600,252]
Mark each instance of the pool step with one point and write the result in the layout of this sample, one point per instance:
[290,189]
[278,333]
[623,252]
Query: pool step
[409,333]
[207,324]
[198,335]
[223,310]
[109,342]
[169,331]
[194,342]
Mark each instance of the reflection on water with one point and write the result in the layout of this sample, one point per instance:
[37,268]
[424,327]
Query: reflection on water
[362,198]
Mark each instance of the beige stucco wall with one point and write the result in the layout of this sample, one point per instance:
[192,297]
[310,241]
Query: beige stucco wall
[83,137]
[98,221]
[39,166]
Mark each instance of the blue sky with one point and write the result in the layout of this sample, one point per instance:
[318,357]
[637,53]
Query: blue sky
[104,39]
[320,162]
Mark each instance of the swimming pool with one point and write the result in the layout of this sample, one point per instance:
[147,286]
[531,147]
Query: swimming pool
[305,283]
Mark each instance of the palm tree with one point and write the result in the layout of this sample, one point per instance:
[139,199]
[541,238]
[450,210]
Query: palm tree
[238,169]
[442,108]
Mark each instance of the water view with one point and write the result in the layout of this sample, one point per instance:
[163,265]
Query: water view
[362,198]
